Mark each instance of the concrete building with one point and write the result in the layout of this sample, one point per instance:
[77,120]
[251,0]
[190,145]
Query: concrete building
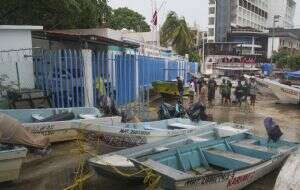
[224,14]
[285,9]
[15,54]
[283,39]
[257,14]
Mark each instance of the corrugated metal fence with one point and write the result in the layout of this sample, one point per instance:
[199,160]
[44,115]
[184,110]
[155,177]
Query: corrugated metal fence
[120,75]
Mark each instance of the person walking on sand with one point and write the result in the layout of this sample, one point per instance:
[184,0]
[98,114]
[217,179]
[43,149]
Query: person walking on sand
[192,91]
[228,93]
[203,94]
[180,88]
[252,92]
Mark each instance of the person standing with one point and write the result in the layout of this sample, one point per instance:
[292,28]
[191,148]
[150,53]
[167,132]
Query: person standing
[239,93]
[192,91]
[203,94]
[229,87]
[200,83]
[180,88]
[212,86]
[223,87]
[252,92]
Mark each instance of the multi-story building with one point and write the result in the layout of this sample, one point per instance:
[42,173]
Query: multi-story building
[224,14]
[257,14]
[285,9]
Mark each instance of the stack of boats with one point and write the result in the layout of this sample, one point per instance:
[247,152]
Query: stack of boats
[186,154]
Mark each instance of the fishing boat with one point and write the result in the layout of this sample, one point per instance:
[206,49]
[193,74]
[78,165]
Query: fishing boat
[168,88]
[11,162]
[127,135]
[285,93]
[59,124]
[224,164]
[288,178]
[117,164]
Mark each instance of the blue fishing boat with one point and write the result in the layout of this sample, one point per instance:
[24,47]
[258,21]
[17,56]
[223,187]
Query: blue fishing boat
[115,164]
[231,163]
[59,124]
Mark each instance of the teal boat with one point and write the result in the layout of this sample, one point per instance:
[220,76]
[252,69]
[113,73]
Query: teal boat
[113,165]
[224,164]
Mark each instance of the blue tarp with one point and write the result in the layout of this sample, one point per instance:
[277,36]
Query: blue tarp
[295,74]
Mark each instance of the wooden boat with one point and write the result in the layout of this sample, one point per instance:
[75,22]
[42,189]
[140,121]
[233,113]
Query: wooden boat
[11,162]
[115,164]
[168,88]
[288,178]
[35,120]
[133,134]
[227,164]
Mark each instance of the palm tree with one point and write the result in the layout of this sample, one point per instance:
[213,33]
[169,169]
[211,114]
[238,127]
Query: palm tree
[176,33]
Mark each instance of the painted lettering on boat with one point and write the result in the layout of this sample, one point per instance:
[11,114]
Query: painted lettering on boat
[180,132]
[208,179]
[44,130]
[134,132]
[288,91]
[235,180]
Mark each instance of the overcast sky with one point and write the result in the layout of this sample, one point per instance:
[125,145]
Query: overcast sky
[195,11]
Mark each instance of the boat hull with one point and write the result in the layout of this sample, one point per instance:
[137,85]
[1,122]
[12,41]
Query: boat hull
[232,180]
[10,163]
[286,94]
[168,88]
[67,130]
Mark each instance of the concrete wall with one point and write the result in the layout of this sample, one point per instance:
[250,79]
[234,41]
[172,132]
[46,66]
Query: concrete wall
[16,40]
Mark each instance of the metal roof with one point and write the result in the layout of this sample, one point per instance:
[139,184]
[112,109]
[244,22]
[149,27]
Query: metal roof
[20,27]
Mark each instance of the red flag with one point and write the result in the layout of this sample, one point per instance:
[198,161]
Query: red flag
[154,18]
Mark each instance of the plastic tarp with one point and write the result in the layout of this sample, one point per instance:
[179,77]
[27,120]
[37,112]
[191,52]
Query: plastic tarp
[12,132]
[295,74]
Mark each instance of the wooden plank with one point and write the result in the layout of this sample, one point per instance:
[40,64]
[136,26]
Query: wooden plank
[234,156]
[166,170]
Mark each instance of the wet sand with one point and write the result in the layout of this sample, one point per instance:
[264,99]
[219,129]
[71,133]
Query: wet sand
[57,170]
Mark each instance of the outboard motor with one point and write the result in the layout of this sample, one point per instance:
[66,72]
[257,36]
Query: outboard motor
[273,130]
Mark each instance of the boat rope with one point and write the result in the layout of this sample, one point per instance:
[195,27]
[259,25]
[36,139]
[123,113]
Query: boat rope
[151,179]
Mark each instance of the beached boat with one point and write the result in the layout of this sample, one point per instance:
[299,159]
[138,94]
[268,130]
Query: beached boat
[227,164]
[168,88]
[133,134]
[285,93]
[11,162]
[117,164]
[59,124]
[289,178]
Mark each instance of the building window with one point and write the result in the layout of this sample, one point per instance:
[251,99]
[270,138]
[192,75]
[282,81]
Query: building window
[211,21]
[211,1]
[212,10]
[211,32]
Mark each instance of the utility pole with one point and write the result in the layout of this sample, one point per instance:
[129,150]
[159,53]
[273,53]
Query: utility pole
[275,20]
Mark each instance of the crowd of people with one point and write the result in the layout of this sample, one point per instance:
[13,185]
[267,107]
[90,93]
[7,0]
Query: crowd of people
[205,90]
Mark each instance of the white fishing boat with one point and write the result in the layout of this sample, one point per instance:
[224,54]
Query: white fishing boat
[11,162]
[59,124]
[286,94]
[117,164]
[289,178]
[227,164]
[133,134]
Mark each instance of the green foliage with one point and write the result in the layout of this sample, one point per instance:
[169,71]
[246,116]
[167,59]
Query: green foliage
[176,33]
[129,19]
[287,59]
[194,57]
